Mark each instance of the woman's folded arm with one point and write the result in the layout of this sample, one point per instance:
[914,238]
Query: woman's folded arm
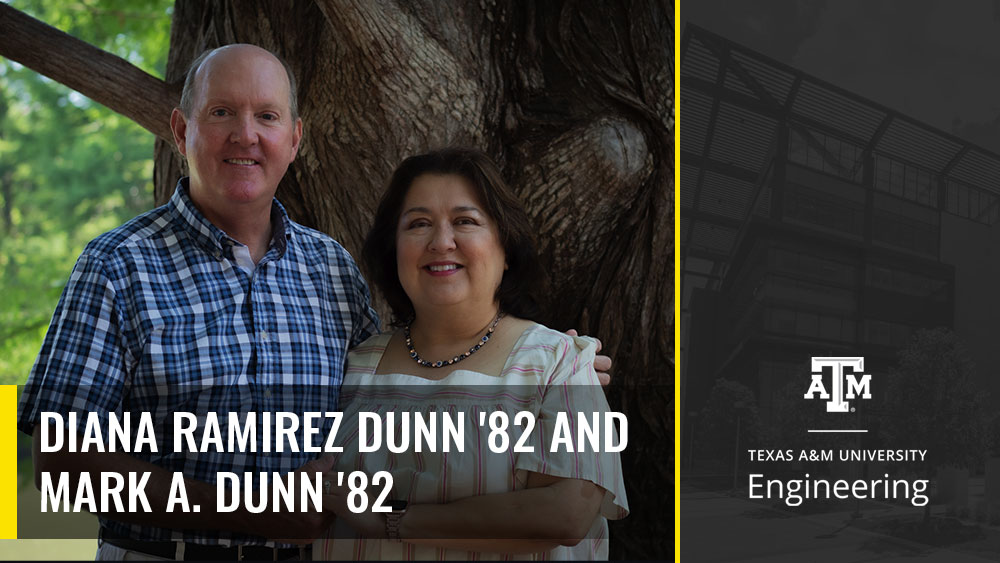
[550,512]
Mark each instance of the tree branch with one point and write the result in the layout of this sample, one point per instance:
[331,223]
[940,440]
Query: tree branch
[97,74]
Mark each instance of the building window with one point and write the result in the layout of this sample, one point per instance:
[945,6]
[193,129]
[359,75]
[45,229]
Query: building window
[905,181]
[972,203]
[814,208]
[816,267]
[826,153]
[910,283]
[901,224]
[885,333]
[789,291]
[809,324]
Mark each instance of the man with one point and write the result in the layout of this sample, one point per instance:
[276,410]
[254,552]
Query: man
[214,302]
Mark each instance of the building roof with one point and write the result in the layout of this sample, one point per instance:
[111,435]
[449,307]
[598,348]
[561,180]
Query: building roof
[733,103]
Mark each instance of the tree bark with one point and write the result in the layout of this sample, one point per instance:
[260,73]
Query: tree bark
[573,99]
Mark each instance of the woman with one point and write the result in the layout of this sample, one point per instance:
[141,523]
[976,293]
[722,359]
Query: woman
[451,249]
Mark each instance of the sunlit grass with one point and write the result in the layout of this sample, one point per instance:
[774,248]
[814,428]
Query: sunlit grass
[48,550]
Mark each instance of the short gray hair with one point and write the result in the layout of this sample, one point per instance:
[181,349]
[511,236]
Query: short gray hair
[190,89]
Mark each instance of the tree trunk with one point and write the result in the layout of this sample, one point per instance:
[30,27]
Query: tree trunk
[574,100]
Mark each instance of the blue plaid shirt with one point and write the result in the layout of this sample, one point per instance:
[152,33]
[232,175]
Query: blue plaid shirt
[157,316]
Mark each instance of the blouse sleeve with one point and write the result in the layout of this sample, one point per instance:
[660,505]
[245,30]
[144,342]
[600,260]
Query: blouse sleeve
[572,399]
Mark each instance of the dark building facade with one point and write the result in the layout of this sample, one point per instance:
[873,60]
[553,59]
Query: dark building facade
[815,222]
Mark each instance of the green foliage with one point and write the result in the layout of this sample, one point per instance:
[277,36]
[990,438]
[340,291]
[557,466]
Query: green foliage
[70,168]
[135,30]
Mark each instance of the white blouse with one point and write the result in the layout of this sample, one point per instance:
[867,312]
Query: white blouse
[547,373]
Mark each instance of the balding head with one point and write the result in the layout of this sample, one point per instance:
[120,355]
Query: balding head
[192,82]
[238,135]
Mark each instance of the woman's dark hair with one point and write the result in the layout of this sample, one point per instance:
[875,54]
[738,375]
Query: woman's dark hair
[518,291]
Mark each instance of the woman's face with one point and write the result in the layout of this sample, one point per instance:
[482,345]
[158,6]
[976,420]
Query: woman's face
[448,249]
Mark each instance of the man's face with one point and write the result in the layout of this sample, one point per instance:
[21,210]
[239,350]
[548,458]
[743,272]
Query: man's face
[240,136]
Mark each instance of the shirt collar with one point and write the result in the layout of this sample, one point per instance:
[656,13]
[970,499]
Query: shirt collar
[214,239]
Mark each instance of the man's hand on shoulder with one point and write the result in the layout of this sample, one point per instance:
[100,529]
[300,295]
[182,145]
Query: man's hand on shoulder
[602,364]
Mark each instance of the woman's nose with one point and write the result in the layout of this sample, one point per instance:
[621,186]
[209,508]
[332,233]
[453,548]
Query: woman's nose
[443,239]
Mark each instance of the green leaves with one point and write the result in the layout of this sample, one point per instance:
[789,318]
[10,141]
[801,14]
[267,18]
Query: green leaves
[136,30]
[70,169]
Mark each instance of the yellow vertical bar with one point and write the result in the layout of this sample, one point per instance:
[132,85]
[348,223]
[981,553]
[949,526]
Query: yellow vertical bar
[677,282]
[8,461]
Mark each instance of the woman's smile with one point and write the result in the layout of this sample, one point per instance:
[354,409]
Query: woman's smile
[440,269]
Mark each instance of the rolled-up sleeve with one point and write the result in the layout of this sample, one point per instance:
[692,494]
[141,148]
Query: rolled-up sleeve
[82,363]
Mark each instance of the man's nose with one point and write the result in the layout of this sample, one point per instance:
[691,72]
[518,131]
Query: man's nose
[244,130]
[442,239]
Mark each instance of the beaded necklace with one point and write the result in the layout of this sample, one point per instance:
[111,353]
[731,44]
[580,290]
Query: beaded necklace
[442,363]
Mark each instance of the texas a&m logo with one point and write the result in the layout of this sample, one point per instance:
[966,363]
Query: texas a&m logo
[843,385]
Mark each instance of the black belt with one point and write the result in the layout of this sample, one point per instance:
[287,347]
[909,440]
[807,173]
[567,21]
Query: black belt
[187,551]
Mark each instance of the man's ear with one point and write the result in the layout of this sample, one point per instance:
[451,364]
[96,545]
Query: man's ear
[296,136]
[178,124]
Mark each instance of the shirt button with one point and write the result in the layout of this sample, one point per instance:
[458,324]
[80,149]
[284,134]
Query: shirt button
[267,394]
[263,335]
